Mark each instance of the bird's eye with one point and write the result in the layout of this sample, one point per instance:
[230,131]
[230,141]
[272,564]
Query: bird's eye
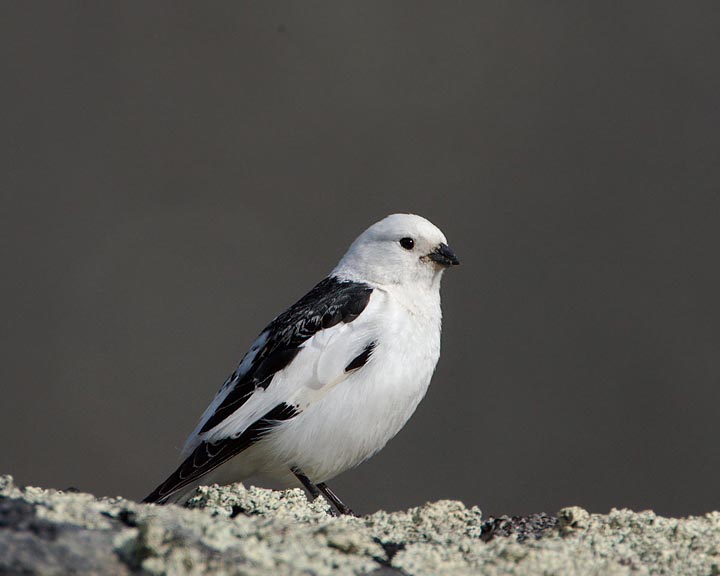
[407,243]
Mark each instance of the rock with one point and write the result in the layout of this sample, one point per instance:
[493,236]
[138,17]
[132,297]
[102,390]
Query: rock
[238,530]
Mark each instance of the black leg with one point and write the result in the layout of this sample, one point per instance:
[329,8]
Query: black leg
[309,486]
[313,490]
[334,500]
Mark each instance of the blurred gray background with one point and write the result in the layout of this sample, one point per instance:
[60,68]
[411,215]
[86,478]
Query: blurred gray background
[173,175]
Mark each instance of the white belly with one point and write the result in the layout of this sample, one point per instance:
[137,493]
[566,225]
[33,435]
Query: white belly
[358,417]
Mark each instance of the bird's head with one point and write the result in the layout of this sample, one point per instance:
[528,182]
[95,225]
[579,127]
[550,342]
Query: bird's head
[400,249]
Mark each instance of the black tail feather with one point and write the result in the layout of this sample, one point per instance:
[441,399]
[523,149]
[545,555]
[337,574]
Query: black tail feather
[209,455]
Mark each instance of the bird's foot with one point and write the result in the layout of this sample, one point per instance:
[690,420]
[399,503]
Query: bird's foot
[339,505]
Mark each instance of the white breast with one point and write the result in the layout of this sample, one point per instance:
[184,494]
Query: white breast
[358,417]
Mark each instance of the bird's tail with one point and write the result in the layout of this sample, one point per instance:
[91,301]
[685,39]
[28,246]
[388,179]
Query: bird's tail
[156,496]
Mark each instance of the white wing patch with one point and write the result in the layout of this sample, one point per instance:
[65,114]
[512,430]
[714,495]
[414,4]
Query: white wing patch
[317,369]
[249,358]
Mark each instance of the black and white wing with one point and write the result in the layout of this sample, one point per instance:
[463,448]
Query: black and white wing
[296,360]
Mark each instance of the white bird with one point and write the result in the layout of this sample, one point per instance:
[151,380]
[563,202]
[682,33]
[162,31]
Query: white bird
[335,376]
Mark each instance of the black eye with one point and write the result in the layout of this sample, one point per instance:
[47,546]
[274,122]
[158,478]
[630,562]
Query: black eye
[407,243]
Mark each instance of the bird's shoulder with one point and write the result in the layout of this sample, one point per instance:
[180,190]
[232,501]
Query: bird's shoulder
[331,301]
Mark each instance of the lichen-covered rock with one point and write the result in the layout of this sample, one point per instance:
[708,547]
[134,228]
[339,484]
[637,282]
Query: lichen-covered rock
[237,530]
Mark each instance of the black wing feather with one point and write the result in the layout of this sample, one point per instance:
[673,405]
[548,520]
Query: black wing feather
[361,359]
[209,455]
[330,302]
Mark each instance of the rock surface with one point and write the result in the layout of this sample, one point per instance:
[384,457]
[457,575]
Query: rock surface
[234,530]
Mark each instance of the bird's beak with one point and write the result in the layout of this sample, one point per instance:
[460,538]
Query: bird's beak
[444,256]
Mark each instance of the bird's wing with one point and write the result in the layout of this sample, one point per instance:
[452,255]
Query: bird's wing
[295,361]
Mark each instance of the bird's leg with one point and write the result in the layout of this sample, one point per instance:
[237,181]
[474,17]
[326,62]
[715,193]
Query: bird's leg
[334,500]
[315,489]
[309,486]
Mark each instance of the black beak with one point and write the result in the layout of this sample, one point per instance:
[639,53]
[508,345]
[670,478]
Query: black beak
[444,256]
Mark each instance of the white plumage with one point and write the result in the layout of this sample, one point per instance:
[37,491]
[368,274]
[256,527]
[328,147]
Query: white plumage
[330,381]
